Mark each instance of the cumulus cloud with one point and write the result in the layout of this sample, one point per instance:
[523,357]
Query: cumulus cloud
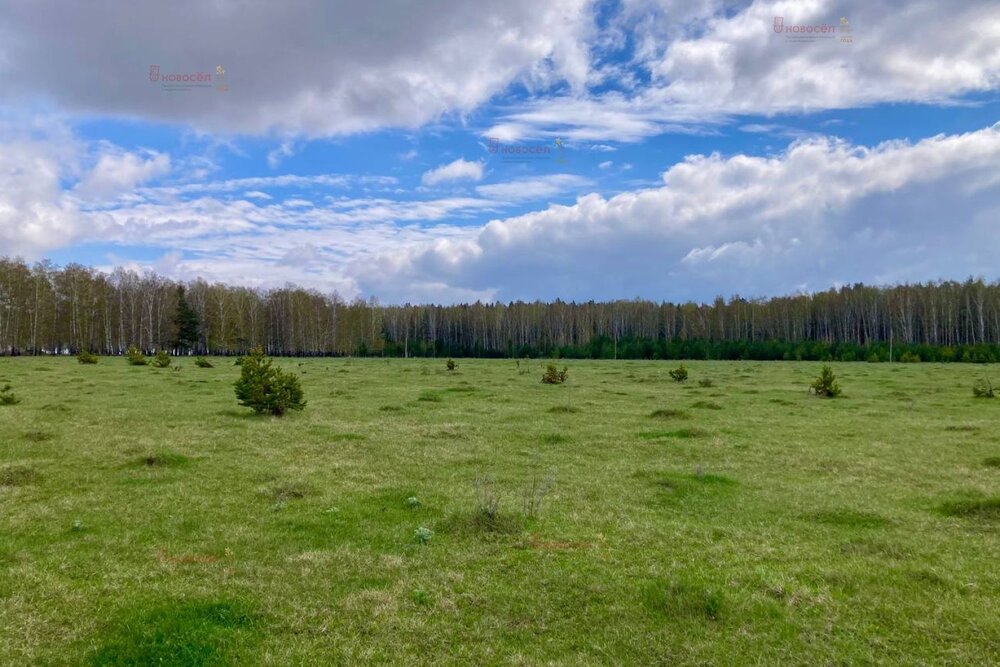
[822,212]
[118,172]
[35,214]
[459,170]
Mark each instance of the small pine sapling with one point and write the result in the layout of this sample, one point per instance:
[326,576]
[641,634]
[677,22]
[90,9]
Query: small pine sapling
[555,376]
[86,357]
[679,374]
[135,356]
[826,384]
[162,359]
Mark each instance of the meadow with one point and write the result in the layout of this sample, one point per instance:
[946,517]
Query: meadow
[146,518]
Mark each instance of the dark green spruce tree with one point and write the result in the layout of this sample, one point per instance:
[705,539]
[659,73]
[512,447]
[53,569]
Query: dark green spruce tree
[186,321]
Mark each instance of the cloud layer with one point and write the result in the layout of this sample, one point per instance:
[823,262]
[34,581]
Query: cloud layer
[695,62]
[302,68]
[820,213]
[409,227]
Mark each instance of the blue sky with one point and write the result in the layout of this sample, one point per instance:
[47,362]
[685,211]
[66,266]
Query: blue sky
[692,149]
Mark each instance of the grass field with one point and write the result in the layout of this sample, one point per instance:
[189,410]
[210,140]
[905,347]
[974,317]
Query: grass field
[146,518]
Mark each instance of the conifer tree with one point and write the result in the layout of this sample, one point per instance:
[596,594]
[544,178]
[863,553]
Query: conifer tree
[186,321]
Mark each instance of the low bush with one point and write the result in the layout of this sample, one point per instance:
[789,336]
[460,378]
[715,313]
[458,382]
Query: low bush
[706,382]
[202,362]
[983,389]
[7,397]
[555,376]
[135,356]
[826,384]
[679,374]
[451,365]
[86,357]
[162,359]
[267,389]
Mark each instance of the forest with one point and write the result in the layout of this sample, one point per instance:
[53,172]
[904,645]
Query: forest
[46,309]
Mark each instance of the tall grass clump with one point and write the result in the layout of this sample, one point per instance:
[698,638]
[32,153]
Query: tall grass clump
[202,362]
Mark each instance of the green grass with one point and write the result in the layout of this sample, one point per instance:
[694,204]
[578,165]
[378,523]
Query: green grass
[146,519]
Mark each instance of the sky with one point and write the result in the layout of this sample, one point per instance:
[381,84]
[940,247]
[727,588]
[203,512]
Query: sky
[458,150]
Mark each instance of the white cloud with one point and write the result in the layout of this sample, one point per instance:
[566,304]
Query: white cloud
[282,181]
[274,157]
[119,172]
[257,194]
[459,170]
[605,165]
[532,188]
[720,64]
[821,212]
[35,214]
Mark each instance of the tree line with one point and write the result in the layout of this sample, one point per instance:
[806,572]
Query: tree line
[46,309]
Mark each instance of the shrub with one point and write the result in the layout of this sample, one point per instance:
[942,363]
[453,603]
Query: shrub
[202,362]
[826,384]
[162,359]
[679,374]
[554,376]
[423,535]
[451,365]
[7,397]
[909,358]
[706,382]
[267,389]
[983,389]
[135,356]
[86,357]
